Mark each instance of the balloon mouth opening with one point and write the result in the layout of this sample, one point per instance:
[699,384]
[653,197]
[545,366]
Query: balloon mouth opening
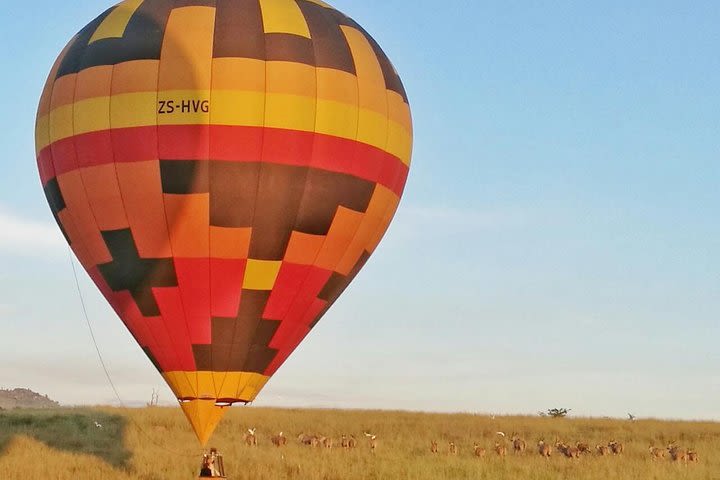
[219,402]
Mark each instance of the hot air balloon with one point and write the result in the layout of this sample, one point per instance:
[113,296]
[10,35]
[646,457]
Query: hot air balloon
[222,169]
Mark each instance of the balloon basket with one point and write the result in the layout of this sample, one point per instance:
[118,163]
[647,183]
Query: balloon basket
[212,465]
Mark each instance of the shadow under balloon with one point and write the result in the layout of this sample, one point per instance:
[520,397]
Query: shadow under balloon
[78,431]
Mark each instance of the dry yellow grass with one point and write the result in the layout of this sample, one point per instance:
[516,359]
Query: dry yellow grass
[162,447]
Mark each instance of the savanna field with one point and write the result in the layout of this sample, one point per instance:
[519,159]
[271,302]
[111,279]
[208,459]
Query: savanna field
[156,443]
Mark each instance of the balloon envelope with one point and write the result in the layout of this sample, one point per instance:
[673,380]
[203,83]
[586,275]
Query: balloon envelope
[222,169]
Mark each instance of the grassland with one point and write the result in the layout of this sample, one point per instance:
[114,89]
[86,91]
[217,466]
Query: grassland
[157,444]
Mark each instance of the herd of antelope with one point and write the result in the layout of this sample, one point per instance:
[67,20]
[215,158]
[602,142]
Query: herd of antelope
[545,450]
[346,442]
[673,452]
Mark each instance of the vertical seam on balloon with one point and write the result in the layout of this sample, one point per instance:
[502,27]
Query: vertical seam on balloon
[117,180]
[71,216]
[388,207]
[398,172]
[302,199]
[210,256]
[122,199]
[209,237]
[78,168]
[387,140]
[167,223]
[305,188]
[296,328]
[257,188]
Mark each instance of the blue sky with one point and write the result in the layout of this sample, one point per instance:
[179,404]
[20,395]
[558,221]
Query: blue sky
[557,244]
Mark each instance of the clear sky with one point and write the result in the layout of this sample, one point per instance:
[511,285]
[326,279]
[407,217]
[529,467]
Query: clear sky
[557,244]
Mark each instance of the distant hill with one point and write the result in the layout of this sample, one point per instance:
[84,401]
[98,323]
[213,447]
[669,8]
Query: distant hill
[24,398]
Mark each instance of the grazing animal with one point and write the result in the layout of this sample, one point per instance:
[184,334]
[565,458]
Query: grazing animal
[279,440]
[518,444]
[452,448]
[616,447]
[500,449]
[677,454]
[656,453]
[250,438]
[372,441]
[352,442]
[478,450]
[433,447]
[583,447]
[347,442]
[310,440]
[602,450]
[327,442]
[544,449]
[571,452]
[692,456]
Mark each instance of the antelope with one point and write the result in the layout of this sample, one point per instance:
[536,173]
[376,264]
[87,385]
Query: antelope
[602,450]
[344,441]
[311,440]
[372,441]
[571,452]
[326,442]
[692,456]
[352,443]
[544,449]
[677,454]
[433,447]
[452,448]
[500,449]
[478,450]
[518,444]
[250,438]
[616,447]
[561,447]
[583,447]
[279,440]
[656,453]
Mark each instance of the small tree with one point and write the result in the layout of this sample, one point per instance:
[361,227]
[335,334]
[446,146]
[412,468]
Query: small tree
[557,412]
[154,399]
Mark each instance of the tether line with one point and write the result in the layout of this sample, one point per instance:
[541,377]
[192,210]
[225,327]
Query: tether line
[105,369]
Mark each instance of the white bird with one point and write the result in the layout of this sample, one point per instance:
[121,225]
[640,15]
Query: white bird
[98,425]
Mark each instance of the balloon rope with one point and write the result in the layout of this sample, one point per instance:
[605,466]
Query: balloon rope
[92,333]
[107,373]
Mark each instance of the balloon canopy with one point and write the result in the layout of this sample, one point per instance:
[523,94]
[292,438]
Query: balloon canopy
[222,169]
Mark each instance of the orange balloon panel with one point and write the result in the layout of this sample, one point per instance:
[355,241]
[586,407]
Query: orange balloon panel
[222,169]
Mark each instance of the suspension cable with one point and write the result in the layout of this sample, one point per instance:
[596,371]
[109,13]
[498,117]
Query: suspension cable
[105,369]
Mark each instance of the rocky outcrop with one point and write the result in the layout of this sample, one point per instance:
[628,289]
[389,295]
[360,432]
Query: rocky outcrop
[24,398]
